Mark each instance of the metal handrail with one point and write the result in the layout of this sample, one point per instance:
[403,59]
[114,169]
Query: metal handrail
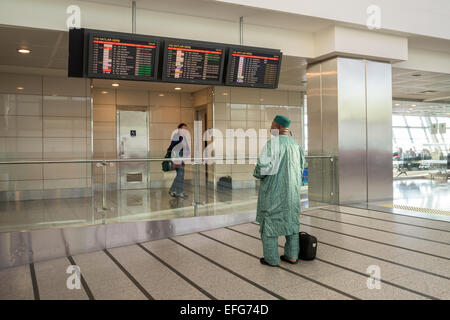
[133,160]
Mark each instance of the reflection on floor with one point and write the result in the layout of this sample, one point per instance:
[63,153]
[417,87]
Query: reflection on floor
[126,206]
[411,254]
[418,197]
[423,193]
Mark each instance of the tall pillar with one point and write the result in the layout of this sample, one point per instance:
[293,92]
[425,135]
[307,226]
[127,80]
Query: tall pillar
[350,118]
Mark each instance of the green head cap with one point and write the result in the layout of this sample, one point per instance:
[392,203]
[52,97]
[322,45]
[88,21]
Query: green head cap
[282,120]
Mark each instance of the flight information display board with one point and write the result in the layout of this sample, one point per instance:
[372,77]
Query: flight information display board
[253,68]
[192,62]
[122,56]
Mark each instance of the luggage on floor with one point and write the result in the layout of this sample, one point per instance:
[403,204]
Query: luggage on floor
[224,183]
[308,246]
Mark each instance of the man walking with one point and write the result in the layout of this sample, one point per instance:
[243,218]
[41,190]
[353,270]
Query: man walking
[178,139]
[279,168]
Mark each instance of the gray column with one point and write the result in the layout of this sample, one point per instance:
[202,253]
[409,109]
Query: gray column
[350,118]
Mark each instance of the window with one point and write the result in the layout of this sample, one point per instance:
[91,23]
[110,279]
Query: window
[415,132]
[414,121]
[398,121]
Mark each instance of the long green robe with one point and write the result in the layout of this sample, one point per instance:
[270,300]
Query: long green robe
[280,168]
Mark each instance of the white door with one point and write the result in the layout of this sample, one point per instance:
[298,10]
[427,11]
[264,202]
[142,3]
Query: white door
[133,143]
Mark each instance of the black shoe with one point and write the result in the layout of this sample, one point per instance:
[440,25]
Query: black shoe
[182,195]
[283,258]
[173,194]
[265,263]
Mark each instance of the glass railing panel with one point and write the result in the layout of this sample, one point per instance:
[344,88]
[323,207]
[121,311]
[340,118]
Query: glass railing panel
[45,194]
[64,193]
[230,188]
[145,192]
[319,182]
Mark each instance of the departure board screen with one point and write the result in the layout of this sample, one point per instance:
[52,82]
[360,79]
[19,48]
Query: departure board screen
[192,62]
[250,68]
[128,57]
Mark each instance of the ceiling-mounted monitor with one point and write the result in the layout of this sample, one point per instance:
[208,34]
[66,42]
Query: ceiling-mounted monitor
[253,67]
[122,56]
[193,62]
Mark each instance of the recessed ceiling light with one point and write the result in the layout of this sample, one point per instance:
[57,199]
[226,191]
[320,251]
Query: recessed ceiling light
[115,84]
[104,92]
[24,51]
[225,93]
[397,104]
[161,94]
[413,105]
[19,88]
[92,86]
[177,88]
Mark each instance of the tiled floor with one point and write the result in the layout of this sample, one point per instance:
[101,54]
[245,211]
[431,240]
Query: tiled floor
[412,255]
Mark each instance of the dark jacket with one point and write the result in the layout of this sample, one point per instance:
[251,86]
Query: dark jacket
[176,139]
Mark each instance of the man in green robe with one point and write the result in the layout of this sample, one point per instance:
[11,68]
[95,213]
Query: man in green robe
[279,169]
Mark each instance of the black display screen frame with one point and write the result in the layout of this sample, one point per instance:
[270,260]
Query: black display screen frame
[127,36]
[211,45]
[256,51]
[76,67]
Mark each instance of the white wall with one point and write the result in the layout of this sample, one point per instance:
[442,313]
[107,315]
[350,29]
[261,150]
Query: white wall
[367,44]
[51,14]
[426,60]
[428,18]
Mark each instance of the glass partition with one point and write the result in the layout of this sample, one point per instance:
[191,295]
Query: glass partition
[143,193]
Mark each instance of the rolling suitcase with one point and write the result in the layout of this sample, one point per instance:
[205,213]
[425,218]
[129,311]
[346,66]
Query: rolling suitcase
[308,246]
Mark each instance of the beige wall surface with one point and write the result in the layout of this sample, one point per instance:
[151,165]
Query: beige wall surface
[250,108]
[166,111]
[43,118]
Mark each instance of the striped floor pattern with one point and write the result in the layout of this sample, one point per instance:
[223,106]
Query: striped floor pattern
[412,256]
